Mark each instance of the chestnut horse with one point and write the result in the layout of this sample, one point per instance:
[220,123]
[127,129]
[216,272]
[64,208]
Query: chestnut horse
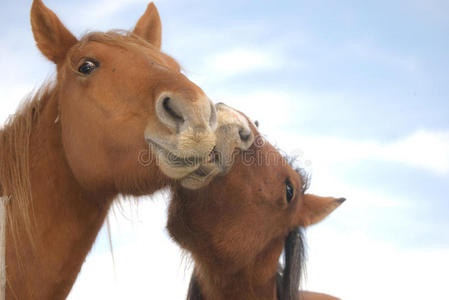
[120,118]
[236,226]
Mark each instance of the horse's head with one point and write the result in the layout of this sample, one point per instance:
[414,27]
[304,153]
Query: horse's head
[244,216]
[119,94]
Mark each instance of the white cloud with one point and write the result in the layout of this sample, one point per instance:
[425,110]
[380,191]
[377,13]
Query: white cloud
[353,267]
[241,60]
[235,62]
[268,107]
[424,149]
[11,98]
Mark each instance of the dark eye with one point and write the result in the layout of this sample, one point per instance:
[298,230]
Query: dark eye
[88,67]
[289,191]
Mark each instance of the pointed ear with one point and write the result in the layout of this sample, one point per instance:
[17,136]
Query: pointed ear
[51,36]
[149,26]
[315,208]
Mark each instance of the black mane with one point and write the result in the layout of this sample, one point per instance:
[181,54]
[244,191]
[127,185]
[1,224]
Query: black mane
[194,292]
[288,277]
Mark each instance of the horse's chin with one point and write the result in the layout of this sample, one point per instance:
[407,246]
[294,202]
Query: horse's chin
[201,176]
[214,166]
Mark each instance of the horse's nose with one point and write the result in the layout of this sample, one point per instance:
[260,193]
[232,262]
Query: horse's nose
[170,112]
[245,134]
[179,113]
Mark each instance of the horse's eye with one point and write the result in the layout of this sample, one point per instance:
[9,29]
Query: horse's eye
[289,190]
[88,67]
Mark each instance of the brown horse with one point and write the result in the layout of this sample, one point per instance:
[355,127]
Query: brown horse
[120,118]
[237,226]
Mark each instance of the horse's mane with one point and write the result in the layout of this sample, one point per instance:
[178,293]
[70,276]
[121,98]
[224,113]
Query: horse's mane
[288,277]
[118,38]
[14,157]
[194,292]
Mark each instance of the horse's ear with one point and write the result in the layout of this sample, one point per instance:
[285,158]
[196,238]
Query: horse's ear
[316,208]
[51,36]
[149,26]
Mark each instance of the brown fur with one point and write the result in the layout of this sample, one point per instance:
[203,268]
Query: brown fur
[306,295]
[79,142]
[235,227]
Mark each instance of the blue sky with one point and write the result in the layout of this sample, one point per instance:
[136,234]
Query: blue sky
[359,90]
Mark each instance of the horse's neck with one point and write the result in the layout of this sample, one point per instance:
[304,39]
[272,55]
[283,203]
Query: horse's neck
[65,220]
[257,281]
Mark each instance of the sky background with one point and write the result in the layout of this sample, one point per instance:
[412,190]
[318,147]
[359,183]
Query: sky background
[358,90]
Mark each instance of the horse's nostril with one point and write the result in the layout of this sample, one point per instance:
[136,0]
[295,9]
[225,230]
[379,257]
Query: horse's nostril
[170,110]
[244,135]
